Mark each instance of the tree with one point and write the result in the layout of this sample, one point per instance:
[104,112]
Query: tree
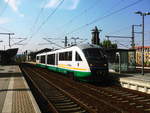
[108,44]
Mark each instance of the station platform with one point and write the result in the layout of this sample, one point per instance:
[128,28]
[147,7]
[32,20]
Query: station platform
[15,94]
[135,81]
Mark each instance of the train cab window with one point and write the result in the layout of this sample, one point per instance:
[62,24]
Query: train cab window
[78,58]
[51,59]
[93,53]
[42,59]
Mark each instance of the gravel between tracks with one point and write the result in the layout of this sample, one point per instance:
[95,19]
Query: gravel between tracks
[103,99]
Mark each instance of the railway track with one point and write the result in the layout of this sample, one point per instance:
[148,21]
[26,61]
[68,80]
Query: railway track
[101,99]
[131,99]
[59,100]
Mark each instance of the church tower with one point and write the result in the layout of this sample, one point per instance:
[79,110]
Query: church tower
[95,36]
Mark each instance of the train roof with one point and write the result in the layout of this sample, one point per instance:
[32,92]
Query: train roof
[83,46]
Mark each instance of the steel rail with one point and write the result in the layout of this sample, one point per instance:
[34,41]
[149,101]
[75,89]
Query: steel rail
[53,109]
[94,97]
[67,94]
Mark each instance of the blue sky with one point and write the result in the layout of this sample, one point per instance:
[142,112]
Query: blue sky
[72,18]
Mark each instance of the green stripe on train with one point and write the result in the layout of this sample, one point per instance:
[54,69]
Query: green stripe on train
[65,71]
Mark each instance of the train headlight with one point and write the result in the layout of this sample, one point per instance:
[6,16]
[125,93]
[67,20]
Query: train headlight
[91,65]
[105,64]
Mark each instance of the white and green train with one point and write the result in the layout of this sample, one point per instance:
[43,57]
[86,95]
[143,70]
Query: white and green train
[83,62]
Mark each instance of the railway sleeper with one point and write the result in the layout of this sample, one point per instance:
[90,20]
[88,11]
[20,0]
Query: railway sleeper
[67,103]
[67,106]
[147,109]
[139,106]
[145,100]
[114,97]
[83,111]
[127,94]
[119,92]
[75,109]
[119,99]
[133,96]
[58,98]
[148,103]
[110,95]
[54,92]
[131,104]
[61,101]
[53,97]
[125,101]
[138,98]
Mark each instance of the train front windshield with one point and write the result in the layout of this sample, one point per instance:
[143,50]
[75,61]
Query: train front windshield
[93,53]
[95,58]
[97,61]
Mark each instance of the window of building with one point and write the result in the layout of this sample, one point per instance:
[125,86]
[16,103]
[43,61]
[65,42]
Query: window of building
[78,58]
[51,59]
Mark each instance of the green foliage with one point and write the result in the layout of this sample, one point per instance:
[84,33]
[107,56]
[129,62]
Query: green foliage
[147,63]
[32,56]
[19,59]
[108,44]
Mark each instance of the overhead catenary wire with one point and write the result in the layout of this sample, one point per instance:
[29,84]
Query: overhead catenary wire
[5,29]
[4,8]
[49,16]
[120,30]
[103,17]
[95,3]
[44,22]
[121,44]
[92,6]
[37,18]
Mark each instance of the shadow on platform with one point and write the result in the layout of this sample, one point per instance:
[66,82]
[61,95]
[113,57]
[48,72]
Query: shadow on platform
[5,75]
[18,89]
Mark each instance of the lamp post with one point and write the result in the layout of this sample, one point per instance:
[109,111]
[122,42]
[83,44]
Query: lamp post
[142,14]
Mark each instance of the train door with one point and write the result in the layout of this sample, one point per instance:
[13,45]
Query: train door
[37,59]
[56,60]
[78,62]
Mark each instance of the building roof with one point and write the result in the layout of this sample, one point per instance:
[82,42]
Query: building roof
[43,50]
[140,47]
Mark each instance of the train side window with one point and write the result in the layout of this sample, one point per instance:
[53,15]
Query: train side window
[61,56]
[69,56]
[78,58]
[43,59]
[66,56]
[51,59]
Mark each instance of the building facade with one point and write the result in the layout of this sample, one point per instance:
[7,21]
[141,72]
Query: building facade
[146,55]
[121,60]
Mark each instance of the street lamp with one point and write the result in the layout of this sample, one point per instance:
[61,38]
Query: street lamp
[142,14]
